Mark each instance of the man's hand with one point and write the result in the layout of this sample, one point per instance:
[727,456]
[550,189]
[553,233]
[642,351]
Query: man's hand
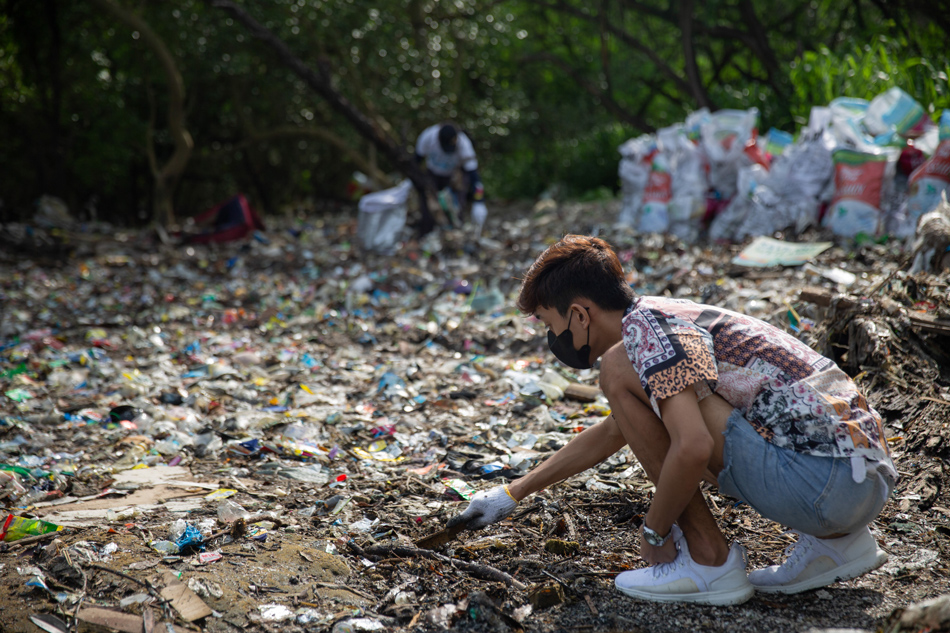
[666,553]
[485,508]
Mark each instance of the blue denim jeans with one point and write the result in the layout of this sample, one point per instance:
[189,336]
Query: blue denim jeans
[809,493]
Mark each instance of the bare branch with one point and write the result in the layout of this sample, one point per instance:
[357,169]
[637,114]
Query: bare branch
[322,134]
[625,37]
[320,84]
[607,100]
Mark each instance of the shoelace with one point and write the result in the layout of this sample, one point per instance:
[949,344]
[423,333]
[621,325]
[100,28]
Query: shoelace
[665,569]
[796,550]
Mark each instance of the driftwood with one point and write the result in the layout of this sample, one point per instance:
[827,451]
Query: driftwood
[485,572]
[825,298]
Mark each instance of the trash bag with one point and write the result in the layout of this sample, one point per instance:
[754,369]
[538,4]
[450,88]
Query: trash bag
[847,114]
[634,172]
[804,168]
[687,162]
[382,215]
[725,226]
[862,182]
[52,212]
[654,212]
[230,220]
[726,136]
[894,112]
[792,195]
[928,182]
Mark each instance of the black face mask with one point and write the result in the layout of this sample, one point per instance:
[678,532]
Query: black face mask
[562,346]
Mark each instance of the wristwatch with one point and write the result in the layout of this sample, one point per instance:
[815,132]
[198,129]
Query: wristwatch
[653,537]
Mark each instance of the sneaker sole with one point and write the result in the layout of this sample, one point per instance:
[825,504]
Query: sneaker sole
[715,598]
[855,568]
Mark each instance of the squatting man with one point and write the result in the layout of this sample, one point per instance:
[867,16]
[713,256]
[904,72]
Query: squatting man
[699,392]
[444,149]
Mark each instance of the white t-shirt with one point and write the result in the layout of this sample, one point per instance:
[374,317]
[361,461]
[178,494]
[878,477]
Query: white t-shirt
[438,161]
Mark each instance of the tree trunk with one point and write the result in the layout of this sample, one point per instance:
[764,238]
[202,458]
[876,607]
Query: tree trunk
[401,158]
[689,56]
[166,176]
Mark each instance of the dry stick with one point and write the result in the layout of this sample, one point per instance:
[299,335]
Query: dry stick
[606,504]
[148,586]
[330,585]
[590,603]
[76,612]
[563,583]
[485,572]
[902,265]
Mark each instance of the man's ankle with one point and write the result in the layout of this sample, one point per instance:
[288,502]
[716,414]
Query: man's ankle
[706,552]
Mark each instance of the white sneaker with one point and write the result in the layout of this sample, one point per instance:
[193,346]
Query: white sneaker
[684,580]
[813,562]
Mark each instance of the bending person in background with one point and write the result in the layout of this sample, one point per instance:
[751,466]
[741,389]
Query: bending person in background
[700,392]
[444,149]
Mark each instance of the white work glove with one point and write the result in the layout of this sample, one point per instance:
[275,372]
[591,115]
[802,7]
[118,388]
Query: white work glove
[479,214]
[485,508]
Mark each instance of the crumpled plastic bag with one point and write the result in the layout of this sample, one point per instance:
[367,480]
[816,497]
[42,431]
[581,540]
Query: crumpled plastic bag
[927,183]
[634,172]
[687,204]
[382,216]
[725,226]
[726,135]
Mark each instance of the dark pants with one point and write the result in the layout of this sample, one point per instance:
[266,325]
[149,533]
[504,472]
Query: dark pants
[427,222]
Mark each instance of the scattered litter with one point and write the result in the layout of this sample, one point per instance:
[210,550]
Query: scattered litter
[242,424]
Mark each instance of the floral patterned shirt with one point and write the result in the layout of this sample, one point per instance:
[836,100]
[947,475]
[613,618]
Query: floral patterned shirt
[793,396]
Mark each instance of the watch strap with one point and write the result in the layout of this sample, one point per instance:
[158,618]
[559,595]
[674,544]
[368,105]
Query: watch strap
[654,538]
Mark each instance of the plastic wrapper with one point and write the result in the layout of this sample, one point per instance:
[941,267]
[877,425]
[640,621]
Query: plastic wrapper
[15,528]
[167,548]
[10,486]
[846,117]
[189,539]
[777,141]
[479,214]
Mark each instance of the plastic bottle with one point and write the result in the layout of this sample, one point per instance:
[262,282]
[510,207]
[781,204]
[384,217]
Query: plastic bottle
[229,511]
[131,457]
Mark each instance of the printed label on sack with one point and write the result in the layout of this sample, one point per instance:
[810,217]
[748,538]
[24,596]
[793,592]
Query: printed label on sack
[659,187]
[859,177]
[937,168]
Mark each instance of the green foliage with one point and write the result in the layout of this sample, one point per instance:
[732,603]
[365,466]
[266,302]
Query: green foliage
[866,71]
[547,89]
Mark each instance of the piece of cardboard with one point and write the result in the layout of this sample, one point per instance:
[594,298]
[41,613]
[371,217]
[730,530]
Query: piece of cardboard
[149,476]
[119,621]
[79,516]
[767,251]
[189,606]
[95,510]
